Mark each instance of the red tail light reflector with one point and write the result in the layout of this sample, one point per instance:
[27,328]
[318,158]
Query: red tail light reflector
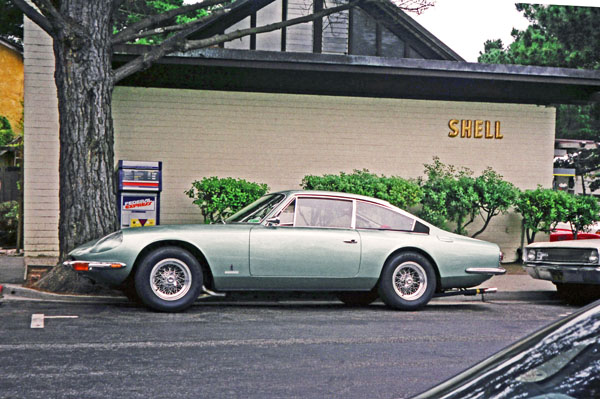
[81,266]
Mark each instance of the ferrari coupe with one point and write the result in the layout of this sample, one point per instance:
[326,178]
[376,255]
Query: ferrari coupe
[359,248]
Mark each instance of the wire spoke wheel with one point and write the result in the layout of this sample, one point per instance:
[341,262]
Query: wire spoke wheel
[170,279]
[409,281]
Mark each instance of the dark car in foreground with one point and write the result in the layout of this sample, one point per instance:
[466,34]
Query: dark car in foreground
[561,361]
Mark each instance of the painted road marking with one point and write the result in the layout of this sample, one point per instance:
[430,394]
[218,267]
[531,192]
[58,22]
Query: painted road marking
[37,319]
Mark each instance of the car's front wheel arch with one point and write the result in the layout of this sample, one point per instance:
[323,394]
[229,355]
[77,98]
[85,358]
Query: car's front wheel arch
[192,249]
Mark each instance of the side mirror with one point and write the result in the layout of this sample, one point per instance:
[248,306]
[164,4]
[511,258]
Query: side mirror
[273,222]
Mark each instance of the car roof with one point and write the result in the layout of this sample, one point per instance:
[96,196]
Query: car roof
[289,193]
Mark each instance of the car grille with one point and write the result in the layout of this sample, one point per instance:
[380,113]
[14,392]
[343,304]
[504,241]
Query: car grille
[564,255]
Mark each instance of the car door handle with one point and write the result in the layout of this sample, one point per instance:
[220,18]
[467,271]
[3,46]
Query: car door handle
[351,241]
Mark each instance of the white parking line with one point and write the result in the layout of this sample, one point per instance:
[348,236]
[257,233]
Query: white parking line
[37,319]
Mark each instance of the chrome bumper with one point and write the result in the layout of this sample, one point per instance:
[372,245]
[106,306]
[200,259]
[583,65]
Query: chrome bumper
[564,274]
[83,265]
[492,271]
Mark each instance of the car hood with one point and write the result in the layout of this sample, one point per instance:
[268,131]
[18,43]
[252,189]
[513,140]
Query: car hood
[594,243]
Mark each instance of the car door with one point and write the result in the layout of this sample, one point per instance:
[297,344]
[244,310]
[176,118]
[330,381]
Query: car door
[313,239]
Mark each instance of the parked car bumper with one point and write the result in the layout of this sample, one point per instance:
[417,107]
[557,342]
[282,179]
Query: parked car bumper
[564,274]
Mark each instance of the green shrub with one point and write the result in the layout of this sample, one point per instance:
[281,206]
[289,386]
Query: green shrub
[219,198]
[6,133]
[9,216]
[583,211]
[542,209]
[448,196]
[396,190]
[454,195]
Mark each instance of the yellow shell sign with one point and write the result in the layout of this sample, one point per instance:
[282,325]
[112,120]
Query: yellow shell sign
[477,129]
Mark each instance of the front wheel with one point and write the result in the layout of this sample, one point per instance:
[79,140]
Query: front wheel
[169,279]
[407,281]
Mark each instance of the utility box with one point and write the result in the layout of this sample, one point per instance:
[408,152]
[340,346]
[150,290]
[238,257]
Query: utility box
[140,184]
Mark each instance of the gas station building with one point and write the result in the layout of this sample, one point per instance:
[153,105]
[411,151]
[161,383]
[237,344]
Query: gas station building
[381,94]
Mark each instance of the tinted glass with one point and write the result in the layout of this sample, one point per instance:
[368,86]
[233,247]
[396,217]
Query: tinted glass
[256,211]
[322,212]
[563,364]
[371,216]
[286,217]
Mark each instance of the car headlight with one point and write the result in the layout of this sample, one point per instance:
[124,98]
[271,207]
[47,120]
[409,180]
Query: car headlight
[531,254]
[111,241]
[593,257]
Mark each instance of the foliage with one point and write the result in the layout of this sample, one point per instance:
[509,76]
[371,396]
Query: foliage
[541,209]
[454,195]
[9,215]
[448,196]
[560,36]
[6,133]
[221,198]
[134,11]
[396,190]
[11,22]
[583,211]
[494,196]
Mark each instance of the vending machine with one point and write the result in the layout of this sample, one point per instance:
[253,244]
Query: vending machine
[140,184]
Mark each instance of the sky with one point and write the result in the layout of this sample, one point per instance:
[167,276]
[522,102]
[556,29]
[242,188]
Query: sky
[464,25]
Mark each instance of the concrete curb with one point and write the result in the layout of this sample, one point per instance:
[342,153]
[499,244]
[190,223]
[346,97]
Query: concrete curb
[15,291]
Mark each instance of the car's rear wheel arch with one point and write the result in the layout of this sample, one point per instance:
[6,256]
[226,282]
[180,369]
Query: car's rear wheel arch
[192,249]
[420,252]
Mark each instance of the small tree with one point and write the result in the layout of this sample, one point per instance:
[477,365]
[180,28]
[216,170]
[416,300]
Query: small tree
[542,209]
[454,195]
[583,211]
[448,196]
[221,198]
[495,196]
[396,190]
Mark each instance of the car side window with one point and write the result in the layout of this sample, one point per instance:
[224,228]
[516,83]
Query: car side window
[372,216]
[323,212]
[286,217]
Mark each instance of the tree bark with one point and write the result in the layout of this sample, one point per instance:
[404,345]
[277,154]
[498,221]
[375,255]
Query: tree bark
[85,83]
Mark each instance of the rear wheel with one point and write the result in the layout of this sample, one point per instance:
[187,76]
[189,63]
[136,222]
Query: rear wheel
[169,279]
[358,298]
[407,281]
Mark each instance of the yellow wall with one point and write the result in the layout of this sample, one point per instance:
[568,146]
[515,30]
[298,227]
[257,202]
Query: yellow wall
[11,86]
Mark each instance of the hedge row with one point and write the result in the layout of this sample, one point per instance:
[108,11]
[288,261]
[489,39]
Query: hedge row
[448,197]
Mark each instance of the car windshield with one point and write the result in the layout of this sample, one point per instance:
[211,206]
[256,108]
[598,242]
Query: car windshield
[564,364]
[256,211]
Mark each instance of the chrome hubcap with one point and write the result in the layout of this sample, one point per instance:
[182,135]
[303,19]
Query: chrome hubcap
[170,279]
[409,280]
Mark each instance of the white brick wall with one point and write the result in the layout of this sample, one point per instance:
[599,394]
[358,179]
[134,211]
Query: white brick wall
[279,138]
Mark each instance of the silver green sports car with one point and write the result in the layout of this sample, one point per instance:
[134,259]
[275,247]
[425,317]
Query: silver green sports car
[358,247]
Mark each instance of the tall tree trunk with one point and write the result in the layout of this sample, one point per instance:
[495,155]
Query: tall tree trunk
[85,82]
